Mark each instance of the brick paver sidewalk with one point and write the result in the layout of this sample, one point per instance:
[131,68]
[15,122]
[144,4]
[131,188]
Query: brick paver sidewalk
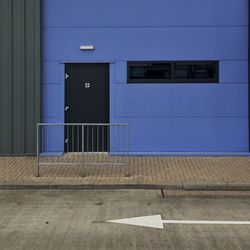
[142,170]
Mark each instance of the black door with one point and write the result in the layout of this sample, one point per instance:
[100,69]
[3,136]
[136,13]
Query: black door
[87,101]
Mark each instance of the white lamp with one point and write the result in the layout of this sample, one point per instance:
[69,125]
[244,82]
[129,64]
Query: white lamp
[87,47]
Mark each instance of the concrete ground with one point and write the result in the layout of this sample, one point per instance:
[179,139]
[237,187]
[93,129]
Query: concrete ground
[176,171]
[77,220]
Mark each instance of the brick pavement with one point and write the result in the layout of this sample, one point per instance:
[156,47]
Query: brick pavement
[142,170]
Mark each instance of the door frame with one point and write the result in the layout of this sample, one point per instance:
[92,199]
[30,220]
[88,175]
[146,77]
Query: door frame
[62,70]
[61,92]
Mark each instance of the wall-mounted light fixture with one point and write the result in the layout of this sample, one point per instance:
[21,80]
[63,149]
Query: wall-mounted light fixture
[87,47]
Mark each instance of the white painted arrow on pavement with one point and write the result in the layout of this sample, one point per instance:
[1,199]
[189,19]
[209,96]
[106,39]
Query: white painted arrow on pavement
[155,221]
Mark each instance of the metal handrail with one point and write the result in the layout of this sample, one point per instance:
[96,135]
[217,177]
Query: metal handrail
[88,141]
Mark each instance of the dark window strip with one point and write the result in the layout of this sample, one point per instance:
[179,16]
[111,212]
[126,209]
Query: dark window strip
[173,72]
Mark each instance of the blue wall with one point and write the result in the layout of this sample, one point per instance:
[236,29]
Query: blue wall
[163,118]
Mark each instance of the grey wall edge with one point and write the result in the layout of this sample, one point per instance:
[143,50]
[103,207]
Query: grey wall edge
[20,75]
[249,74]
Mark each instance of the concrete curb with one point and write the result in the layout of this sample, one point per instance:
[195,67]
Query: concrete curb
[216,186]
[83,187]
[205,186]
[188,186]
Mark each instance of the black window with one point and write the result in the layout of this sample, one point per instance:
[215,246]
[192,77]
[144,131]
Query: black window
[173,72]
[154,71]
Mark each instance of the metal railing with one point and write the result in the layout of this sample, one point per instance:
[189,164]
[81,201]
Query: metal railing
[75,144]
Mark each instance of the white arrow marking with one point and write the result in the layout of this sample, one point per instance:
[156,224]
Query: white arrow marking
[155,221]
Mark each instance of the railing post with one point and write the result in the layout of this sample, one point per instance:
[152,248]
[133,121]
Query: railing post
[127,145]
[38,151]
[82,170]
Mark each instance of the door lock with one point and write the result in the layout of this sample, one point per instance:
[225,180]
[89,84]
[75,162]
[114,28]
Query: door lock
[66,108]
[87,85]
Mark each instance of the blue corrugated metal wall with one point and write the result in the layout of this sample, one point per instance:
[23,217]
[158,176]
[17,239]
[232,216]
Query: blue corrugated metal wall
[163,118]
